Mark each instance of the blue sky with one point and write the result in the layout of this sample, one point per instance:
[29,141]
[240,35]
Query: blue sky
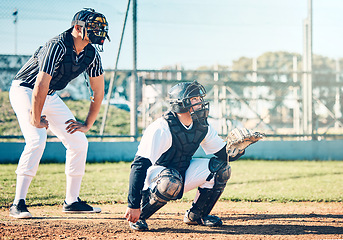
[187,32]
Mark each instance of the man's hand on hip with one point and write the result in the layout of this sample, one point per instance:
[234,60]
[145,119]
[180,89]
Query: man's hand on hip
[74,126]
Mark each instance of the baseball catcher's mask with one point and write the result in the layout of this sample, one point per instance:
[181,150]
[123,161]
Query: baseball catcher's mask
[96,25]
[180,100]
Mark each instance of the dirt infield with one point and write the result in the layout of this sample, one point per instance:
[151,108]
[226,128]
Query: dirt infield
[242,220]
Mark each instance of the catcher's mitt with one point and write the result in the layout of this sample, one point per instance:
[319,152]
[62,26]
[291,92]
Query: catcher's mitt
[239,139]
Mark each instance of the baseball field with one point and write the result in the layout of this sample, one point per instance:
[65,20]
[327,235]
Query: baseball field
[263,200]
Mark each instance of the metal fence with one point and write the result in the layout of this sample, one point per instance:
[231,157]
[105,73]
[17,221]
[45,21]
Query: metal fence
[267,100]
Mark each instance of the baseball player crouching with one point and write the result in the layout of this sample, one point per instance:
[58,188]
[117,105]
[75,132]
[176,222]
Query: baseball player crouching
[164,167]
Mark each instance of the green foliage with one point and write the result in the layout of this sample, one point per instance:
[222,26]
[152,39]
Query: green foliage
[8,121]
[118,120]
[279,61]
[267,181]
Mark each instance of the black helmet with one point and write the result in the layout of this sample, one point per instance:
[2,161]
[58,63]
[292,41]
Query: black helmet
[180,96]
[96,25]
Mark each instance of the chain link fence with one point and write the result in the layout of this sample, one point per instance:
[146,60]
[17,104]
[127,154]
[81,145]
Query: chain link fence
[266,100]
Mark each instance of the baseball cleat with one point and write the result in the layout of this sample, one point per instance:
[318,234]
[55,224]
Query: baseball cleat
[79,207]
[209,221]
[140,225]
[19,210]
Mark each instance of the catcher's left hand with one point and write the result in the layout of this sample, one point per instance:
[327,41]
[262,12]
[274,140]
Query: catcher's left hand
[239,139]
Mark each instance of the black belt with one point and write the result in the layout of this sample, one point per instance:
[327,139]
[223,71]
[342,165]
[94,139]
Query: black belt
[25,84]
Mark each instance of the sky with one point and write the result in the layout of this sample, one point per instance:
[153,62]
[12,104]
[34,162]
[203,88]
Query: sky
[190,33]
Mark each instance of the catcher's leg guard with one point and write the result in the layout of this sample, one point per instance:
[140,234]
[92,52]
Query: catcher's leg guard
[208,197]
[168,186]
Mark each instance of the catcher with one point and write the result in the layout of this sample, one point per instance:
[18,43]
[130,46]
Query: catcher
[164,167]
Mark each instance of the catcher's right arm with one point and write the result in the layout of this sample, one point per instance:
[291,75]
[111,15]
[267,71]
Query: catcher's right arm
[239,139]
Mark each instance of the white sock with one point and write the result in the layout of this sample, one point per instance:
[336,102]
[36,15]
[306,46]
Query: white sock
[22,187]
[73,188]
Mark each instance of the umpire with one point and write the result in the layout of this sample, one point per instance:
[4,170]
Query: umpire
[38,107]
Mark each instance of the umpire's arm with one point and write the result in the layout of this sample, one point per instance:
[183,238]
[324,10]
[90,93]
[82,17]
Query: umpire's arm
[39,94]
[97,85]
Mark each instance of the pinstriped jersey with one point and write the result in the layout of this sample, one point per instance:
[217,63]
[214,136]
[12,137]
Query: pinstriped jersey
[49,57]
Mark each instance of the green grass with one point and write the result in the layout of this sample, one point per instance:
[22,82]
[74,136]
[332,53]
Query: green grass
[118,120]
[280,181]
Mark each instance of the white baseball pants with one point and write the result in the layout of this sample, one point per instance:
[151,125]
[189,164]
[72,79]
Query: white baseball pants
[57,113]
[196,175]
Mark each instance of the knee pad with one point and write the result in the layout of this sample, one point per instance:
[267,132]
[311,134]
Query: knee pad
[223,175]
[221,172]
[168,184]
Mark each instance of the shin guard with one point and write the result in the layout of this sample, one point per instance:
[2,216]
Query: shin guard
[168,186]
[209,197]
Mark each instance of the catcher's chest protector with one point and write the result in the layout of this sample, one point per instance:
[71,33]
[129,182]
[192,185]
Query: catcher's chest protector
[69,68]
[184,144]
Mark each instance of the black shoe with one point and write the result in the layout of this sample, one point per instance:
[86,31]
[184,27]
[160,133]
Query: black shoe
[19,210]
[140,225]
[79,207]
[209,221]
